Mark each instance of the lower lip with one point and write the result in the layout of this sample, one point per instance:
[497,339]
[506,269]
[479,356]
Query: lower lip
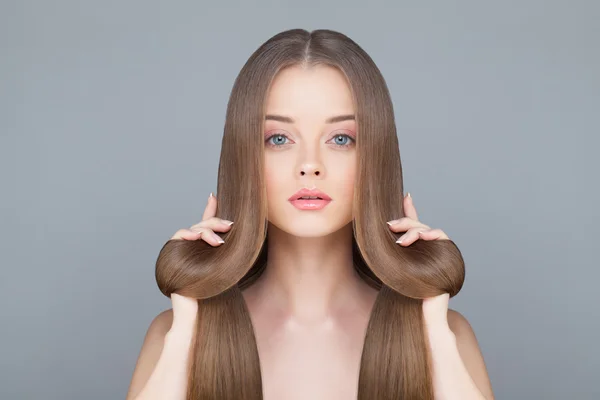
[310,204]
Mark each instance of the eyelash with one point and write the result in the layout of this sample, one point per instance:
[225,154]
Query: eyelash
[352,141]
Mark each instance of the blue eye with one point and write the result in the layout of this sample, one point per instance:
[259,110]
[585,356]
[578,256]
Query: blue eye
[343,137]
[280,138]
[279,142]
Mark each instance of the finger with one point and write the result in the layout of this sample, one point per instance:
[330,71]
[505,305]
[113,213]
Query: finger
[405,223]
[185,234]
[211,207]
[409,237]
[214,223]
[208,236]
[433,234]
[201,233]
[409,207]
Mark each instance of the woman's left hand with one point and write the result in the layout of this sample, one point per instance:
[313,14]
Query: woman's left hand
[435,309]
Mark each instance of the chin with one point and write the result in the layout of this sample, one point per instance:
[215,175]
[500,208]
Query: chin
[309,226]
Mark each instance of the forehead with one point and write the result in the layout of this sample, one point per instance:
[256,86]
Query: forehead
[317,91]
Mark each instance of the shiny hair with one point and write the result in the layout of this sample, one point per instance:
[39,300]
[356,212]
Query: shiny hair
[224,359]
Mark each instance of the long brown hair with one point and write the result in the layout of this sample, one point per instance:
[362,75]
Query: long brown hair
[395,362]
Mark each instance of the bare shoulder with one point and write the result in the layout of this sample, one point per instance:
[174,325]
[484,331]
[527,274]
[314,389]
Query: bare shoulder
[469,351]
[150,351]
[458,323]
[162,322]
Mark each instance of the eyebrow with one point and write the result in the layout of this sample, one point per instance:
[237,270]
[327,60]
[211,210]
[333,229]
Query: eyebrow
[331,120]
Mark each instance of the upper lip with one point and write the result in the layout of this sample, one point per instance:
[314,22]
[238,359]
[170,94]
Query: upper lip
[308,192]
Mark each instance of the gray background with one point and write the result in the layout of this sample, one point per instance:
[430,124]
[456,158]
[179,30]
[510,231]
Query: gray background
[112,115]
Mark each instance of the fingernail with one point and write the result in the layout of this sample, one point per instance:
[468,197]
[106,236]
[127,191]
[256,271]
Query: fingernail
[391,222]
[409,194]
[218,238]
[228,222]
[211,195]
[400,239]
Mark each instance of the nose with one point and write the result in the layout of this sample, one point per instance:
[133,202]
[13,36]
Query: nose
[310,162]
[311,170]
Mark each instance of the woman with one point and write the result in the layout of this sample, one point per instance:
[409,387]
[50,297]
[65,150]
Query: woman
[309,295]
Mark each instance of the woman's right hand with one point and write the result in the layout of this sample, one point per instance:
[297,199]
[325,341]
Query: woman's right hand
[185,309]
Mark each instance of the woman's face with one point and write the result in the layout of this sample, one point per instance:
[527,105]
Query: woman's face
[310,151]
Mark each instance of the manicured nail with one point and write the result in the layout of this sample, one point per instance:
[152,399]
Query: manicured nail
[409,194]
[218,238]
[400,239]
[228,222]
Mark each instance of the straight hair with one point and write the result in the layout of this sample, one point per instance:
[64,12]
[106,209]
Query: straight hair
[395,361]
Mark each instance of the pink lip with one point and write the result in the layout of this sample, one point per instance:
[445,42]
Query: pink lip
[307,192]
[310,204]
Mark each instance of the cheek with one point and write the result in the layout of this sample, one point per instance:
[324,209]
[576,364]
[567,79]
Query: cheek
[348,182]
[275,181]
[348,189]
[351,186]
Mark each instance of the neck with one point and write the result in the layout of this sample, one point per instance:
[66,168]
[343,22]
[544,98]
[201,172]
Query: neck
[310,279]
